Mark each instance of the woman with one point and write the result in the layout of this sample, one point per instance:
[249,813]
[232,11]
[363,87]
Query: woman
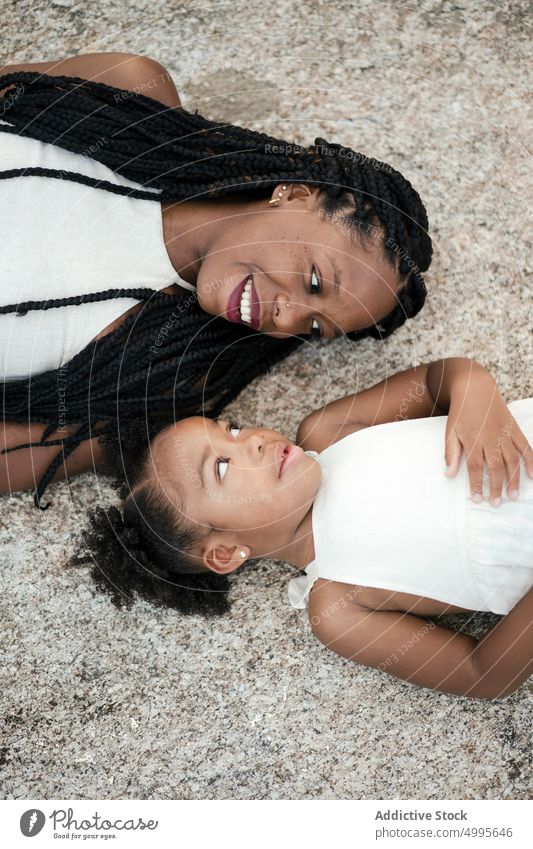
[140,202]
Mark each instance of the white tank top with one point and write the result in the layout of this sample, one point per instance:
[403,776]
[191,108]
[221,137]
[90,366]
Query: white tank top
[60,238]
[386,516]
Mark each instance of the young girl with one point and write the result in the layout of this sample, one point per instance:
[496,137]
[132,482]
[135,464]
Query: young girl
[362,505]
[148,248]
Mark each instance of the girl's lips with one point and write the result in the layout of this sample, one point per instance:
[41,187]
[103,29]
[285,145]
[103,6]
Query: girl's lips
[234,302]
[290,456]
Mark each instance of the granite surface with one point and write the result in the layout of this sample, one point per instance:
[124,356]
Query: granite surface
[98,703]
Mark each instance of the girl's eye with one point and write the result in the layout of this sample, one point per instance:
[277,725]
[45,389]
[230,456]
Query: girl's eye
[316,331]
[222,468]
[315,283]
[232,427]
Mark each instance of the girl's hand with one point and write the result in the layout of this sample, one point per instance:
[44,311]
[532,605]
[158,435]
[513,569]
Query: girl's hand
[480,422]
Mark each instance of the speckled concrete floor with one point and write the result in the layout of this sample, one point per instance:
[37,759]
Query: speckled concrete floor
[103,704]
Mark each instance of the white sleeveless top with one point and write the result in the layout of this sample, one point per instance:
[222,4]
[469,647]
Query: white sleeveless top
[60,238]
[386,516]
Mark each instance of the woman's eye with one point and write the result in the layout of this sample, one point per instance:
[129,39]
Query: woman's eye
[222,468]
[315,283]
[316,331]
[234,429]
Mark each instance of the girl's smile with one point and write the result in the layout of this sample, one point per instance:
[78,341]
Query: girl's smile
[290,455]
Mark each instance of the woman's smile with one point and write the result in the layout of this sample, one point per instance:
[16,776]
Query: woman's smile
[244,306]
[285,271]
[300,294]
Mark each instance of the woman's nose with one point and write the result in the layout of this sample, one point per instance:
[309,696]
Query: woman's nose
[288,316]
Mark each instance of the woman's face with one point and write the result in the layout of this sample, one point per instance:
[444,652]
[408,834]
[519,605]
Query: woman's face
[285,270]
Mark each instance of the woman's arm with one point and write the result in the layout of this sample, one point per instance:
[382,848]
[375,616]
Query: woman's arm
[24,468]
[121,70]
[423,653]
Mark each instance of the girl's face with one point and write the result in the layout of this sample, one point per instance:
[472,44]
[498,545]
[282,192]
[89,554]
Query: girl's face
[285,270]
[251,486]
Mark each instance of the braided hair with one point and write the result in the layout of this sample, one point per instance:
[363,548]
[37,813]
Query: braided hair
[183,156]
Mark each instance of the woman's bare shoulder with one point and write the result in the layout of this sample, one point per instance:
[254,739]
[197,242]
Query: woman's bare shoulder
[127,71]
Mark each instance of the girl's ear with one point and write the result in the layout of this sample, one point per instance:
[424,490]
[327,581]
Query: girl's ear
[223,558]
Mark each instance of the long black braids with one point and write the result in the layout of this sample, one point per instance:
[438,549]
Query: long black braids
[124,375]
[176,156]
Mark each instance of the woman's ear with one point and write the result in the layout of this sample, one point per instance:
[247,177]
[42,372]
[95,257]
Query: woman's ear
[302,192]
[222,557]
[299,193]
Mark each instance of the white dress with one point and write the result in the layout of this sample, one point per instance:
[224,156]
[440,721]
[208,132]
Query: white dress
[386,516]
[60,238]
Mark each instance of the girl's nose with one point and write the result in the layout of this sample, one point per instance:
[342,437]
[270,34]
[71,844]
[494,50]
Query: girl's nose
[254,444]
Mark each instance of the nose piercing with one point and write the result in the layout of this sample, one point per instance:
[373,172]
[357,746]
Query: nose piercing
[288,306]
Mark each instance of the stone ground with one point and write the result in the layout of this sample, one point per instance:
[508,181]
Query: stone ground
[144,704]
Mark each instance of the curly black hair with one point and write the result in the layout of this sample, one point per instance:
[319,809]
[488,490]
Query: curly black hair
[143,551]
[184,155]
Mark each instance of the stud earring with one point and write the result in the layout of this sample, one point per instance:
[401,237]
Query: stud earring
[243,554]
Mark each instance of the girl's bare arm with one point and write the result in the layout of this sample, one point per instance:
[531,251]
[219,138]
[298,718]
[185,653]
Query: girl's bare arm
[418,392]
[479,424]
[423,653]
[121,70]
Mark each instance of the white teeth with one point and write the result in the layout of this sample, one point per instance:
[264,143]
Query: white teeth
[245,307]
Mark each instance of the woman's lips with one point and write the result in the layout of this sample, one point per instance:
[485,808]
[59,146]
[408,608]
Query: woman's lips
[290,456]
[232,312]
[234,302]
[256,308]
